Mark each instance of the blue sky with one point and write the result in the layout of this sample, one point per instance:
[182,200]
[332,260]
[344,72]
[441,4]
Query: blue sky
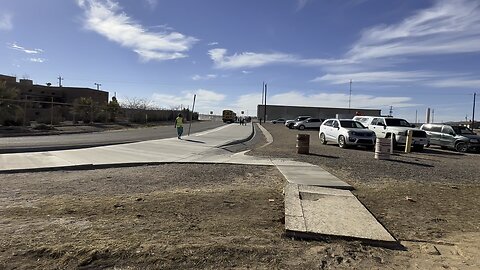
[407,54]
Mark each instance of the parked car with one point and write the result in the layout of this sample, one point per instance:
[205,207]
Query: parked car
[460,138]
[308,123]
[395,128]
[346,132]
[279,120]
[290,123]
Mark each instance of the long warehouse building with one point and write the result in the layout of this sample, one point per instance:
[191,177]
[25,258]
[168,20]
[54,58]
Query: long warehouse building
[291,112]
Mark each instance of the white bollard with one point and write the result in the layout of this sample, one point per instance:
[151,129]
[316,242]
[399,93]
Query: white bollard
[408,143]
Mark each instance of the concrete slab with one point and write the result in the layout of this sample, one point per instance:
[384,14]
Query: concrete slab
[330,212]
[289,162]
[312,175]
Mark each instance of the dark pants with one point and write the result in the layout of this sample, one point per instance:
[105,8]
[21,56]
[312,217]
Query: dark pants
[179,131]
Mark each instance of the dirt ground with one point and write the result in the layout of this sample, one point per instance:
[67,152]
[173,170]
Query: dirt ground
[193,216]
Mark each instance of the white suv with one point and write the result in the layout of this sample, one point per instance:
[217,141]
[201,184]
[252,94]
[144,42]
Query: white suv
[346,132]
[396,128]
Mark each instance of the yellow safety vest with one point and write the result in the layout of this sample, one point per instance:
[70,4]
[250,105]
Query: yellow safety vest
[179,122]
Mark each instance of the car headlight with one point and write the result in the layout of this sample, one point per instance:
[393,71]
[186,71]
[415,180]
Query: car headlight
[474,140]
[352,133]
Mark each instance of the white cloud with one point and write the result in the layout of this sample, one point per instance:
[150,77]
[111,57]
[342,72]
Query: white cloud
[212,43]
[152,3]
[378,76]
[252,60]
[246,72]
[197,77]
[22,49]
[246,59]
[37,60]
[448,27]
[456,83]
[6,22]
[106,18]
[301,4]
[206,100]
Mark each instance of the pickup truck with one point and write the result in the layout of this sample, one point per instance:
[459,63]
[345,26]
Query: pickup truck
[396,128]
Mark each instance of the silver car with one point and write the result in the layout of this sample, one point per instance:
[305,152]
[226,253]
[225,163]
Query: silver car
[313,123]
[460,138]
[346,132]
[290,123]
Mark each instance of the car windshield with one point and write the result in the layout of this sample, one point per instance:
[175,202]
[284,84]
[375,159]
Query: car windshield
[397,122]
[351,124]
[463,130]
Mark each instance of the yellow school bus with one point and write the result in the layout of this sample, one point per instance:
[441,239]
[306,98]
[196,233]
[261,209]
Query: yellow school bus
[228,116]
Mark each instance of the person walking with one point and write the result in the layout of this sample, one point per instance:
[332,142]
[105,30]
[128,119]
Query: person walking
[179,125]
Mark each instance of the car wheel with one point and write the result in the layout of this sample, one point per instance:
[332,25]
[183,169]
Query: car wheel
[290,126]
[341,142]
[428,145]
[461,147]
[323,140]
[301,127]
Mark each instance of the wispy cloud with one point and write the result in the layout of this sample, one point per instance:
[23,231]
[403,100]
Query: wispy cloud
[378,77]
[37,60]
[212,43]
[152,3]
[6,22]
[15,46]
[252,60]
[301,4]
[197,77]
[458,82]
[107,19]
[206,99]
[448,27]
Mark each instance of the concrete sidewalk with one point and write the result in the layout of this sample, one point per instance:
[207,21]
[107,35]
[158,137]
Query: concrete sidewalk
[316,202]
[155,151]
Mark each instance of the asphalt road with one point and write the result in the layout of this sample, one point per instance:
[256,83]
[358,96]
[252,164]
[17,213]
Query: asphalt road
[75,141]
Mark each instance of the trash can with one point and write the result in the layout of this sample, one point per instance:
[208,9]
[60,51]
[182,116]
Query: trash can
[303,143]
[382,148]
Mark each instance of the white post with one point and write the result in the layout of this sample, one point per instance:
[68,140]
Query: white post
[408,143]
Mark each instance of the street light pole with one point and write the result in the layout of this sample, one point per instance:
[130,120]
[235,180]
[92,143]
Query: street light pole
[473,113]
[350,96]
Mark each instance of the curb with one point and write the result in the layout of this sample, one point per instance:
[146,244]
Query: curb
[252,134]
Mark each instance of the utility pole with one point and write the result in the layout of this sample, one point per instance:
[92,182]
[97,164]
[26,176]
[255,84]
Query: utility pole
[60,79]
[433,115]
[473,112]
[98,85]
[391,111]
[191,117]
[350,96]
[416,116]
[265,111]
[51,113]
